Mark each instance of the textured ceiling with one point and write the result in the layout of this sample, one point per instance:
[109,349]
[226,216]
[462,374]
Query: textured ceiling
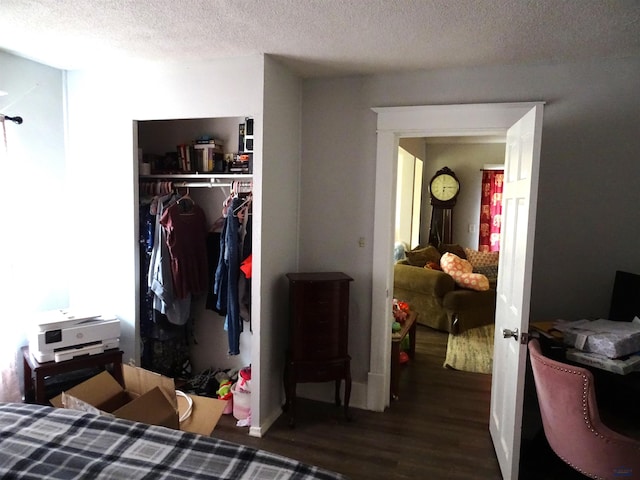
[321,37]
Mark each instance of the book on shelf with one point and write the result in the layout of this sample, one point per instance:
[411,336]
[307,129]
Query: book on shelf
[209,160]
[192,158]
[182,156]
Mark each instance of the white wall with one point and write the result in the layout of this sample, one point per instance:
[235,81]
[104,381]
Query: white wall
[278,241]
[35,255]
[584,232]
[102,108]
[466,160]
[103,161]
[337,197]
[587,222]
[414,145]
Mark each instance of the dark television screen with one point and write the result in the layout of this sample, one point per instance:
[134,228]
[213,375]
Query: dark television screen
[625,299]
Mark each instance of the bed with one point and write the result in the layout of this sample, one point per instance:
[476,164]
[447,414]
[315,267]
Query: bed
[38,441]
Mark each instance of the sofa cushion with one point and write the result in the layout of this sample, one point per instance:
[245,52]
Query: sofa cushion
[481,259]
[424,289]
[420,256]
[453,248]
[470,308]
[489,271]
[461,272]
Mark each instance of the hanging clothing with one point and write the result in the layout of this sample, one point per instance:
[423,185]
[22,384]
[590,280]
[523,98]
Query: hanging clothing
[227,276]
[163,319]
[244,298]
[146,222]
[165,348]
[246,265]
[244,281]
[186,238]
[160,276]
[213,256]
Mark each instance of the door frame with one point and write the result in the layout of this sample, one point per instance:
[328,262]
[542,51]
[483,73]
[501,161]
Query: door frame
[394,123]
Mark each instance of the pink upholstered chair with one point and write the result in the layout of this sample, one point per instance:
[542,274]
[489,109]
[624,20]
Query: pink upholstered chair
[572,422]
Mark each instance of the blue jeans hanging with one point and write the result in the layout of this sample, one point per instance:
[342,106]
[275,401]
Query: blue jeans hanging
[227,275]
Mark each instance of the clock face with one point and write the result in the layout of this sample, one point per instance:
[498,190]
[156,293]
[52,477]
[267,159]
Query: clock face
[444,187]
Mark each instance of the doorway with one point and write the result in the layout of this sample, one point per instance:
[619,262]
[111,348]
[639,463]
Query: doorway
[522,123]
[395,123]
[468,158]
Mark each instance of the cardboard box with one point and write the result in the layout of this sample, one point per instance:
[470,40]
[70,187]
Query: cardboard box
[147,397]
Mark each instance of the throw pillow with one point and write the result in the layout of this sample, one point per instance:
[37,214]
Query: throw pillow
[461,272]
[420,256]
[487,270]
[481,259]
[433,266]
[453,248]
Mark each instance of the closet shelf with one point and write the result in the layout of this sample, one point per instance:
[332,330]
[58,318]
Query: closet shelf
[198,176]
[202,179]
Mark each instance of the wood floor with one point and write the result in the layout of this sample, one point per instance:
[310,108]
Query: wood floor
[437,429]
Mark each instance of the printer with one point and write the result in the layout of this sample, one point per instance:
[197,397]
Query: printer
[60,335]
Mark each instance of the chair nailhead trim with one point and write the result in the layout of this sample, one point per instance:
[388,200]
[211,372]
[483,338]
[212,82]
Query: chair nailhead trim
[591,475]
[585,405]
[585,411]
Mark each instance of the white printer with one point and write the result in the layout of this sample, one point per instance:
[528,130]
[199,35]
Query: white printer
[62,335]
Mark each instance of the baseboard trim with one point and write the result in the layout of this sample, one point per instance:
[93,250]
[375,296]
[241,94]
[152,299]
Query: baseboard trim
[378,392]
[266,424]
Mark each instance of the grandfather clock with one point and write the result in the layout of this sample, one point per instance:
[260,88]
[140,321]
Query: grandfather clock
[444,188]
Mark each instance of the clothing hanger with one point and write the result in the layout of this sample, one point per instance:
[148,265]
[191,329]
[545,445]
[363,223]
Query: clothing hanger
[227,201]
[186,204]
[243,205]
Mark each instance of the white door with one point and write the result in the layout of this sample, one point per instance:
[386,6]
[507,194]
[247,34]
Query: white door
[416,122]
[519,200]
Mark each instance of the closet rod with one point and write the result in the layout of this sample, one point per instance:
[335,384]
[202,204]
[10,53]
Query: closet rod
[200,184]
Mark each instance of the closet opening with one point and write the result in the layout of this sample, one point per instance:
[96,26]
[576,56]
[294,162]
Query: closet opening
[194,192]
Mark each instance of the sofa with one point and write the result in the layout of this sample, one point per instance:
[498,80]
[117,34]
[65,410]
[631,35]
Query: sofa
[440,302]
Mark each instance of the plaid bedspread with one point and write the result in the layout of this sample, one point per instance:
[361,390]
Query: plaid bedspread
[43,442]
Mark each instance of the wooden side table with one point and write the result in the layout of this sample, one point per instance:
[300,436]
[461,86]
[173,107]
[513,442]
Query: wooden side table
[409,327]
[35,372]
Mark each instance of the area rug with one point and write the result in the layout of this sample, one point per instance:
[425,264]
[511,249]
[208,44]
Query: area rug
[471,351]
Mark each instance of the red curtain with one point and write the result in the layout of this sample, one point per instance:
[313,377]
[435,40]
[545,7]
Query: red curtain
[491,210]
